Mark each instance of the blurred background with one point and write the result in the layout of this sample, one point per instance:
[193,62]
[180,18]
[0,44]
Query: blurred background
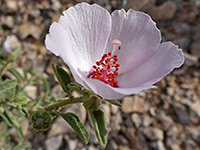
[167,118]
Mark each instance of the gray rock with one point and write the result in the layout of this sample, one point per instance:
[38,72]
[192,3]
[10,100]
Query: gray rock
[153,133]
[165,120]
[115,122]
[72,144]
[159,145]
[195,49]
[190,60]
[181,28]
[114,109]
[56,5]
[146,121]
[136,119]
[54,143]
[183,42]
[181,115]
[112,145]
[106,109]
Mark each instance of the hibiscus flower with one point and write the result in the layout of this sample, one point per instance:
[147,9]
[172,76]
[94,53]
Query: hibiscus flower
[112,55]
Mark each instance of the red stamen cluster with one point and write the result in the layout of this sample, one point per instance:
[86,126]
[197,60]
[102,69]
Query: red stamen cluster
[106,69]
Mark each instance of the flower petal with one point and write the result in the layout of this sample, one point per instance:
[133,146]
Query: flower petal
[159,65]
[139,36]
[58,42]
[88,27]
[109,92]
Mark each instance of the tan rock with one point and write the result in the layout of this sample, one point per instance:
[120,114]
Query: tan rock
[133,104]
[139,4]
[27,29]
[164,12]
[15,41]
[12,5]
[31,91]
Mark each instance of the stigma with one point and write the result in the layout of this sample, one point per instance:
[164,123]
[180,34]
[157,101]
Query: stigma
[107,68]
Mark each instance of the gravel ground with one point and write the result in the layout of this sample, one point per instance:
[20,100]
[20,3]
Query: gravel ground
[167,118]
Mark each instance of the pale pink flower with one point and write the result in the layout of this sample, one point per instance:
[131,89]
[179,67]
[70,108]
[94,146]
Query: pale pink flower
[85,33]
[7,47]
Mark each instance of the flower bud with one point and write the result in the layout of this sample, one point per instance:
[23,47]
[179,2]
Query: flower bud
[92,103]
[41,120]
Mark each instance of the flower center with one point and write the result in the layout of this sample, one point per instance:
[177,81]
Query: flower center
[106,69]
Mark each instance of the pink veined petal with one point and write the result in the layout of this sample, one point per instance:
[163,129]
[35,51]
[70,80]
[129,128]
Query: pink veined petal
[58,42]
[154,69]
[88,27]
[109,92]
[139,36]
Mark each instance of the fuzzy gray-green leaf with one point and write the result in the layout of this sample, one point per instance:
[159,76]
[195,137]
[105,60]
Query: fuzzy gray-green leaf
[7,85]
[63,77]
[77,125]
[99,122]
[22,146]
[16,74]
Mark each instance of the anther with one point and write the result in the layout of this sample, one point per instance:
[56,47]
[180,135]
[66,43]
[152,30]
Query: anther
[106,69]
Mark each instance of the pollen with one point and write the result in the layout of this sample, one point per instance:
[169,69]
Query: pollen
[106,70]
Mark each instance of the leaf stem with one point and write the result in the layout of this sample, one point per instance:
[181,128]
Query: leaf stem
[63,102]
[4,69]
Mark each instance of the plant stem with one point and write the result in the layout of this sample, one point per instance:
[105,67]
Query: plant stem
[63,102]
[4,69]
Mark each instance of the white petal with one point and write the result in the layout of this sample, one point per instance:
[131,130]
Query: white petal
[88,27]
[159,65]
[7,47]
[139,36]
[109,92]
[58,42]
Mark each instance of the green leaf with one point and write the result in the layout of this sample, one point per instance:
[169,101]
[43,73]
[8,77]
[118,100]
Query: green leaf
[22,98]
[12,118]
[20,133]
[63,77]
[25,73]
[77,125]
[14,54]
[16,74]
[15,92]
[99,122]
[22,146]
[114,102]
[6,118]
[46,85]
[7,85]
